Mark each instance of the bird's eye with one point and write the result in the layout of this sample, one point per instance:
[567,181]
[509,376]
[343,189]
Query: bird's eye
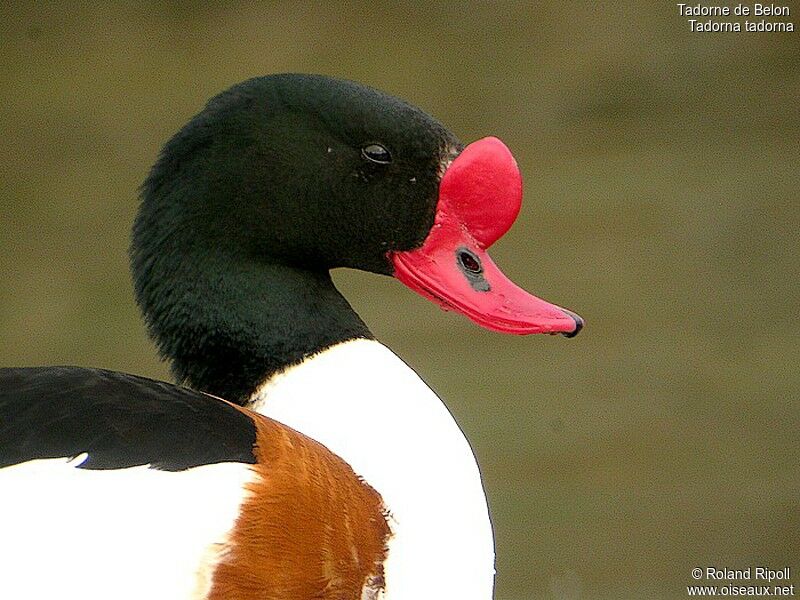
[376,153]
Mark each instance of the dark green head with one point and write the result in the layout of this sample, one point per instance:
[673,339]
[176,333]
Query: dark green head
[280,179]
[276,181]
[301,170]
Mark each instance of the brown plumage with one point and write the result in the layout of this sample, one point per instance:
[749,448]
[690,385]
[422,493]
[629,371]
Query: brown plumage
[311,528]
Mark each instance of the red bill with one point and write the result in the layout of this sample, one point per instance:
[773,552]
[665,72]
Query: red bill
[479,199]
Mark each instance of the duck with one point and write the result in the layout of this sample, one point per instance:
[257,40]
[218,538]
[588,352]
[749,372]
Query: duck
[295,456]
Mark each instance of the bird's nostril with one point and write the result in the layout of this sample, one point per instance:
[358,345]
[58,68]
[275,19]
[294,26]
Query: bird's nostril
[471,267]
[469,261]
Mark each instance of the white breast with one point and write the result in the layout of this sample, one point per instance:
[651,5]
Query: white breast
[125,534]
[370,408]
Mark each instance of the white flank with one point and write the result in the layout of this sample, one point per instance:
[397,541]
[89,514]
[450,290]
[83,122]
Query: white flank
[134,533]
[370,408]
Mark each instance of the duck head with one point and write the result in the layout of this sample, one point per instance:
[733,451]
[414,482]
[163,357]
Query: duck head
[317,173]
[280,179]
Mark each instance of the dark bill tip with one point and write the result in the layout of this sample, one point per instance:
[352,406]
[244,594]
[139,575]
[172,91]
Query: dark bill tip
[579,323]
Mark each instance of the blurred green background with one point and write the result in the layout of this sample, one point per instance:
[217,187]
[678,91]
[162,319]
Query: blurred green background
[661,173]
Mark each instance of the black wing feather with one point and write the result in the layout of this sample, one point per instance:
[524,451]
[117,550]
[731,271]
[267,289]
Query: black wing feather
[119,420]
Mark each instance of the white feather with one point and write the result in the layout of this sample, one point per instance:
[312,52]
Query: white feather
[370,408]
[125,534]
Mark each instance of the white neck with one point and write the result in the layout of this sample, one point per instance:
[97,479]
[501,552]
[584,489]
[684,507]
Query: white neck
[366,405]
